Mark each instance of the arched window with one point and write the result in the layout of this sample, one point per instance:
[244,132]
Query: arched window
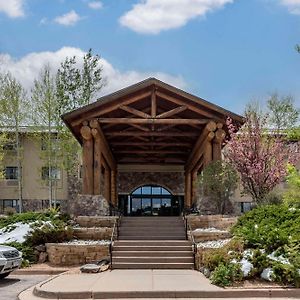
[150,200]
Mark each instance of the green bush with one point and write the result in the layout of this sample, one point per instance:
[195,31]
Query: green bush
[286,273]
[49,233]
[268,227]
[226,274]
[260,261]
[27,217]
[27,251]
[213,258]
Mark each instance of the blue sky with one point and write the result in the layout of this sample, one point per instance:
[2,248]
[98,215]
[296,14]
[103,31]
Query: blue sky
[228,52]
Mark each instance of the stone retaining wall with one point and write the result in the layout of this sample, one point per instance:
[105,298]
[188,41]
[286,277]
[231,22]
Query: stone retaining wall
[93,233]
[217,221]
[94,221]
[72,254]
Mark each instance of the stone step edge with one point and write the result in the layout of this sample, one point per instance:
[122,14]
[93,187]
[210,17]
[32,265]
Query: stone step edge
[222,293]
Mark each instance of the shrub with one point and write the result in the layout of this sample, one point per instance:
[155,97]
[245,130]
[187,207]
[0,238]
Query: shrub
[268,227]
[286,273]
[49,233]
[259,261]
[212,258]
[27,251]
[226,274]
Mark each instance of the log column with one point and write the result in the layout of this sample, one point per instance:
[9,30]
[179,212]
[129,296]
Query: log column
[208,149]
[87,160]
[217,144]
[97,162]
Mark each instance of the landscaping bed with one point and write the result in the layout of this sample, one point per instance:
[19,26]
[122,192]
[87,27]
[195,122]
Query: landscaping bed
[265,245]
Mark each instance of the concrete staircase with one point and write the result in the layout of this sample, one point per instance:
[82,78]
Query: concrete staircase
[152,243]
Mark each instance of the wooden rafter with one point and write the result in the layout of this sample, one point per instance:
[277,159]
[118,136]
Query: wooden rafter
[152,121]
[172,112]
[161,134]
[150,152]
[135,112]
[189,106]
[113,107]
[159,144]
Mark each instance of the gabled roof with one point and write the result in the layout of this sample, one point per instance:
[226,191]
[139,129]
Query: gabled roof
[144,84]
[150,121]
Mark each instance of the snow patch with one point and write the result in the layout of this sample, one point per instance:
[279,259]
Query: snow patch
[246,267]
[280,258]
[210,229]
[86,242]
[267,274]
[17,234]
[213,244]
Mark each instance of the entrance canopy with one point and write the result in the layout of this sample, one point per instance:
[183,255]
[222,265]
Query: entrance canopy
[149,122]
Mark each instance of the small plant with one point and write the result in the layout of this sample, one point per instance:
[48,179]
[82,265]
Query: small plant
[27,252]
[211,259]
[226,274]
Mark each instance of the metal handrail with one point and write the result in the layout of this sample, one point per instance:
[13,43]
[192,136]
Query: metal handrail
[188,228]
[112,238]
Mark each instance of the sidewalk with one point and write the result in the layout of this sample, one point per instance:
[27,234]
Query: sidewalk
[142,284]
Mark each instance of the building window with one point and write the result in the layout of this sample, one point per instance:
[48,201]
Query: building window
[54,143]
[11,173]
[12,203]
[54,173]
[245,206]
[9,146]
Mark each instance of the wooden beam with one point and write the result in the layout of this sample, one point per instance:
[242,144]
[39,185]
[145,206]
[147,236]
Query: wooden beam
[195,154]
[162,144]
[150,152]
[97,162]
[189,106]
[152,121]
[87,160]
[153,104]
[162,134]
[172,112]
[143,128]
[105,147]
[135,112]
[90,115]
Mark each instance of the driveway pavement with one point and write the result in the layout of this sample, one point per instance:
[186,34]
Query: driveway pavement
[12,285]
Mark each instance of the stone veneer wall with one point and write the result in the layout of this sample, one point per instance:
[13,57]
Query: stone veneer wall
[103,233]
[40,204]
[173,181]
[96,221]
[71,255]
[89,205]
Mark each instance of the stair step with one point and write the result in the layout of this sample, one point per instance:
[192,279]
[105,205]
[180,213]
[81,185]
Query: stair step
[142,259]
[152,248]
[142,253]
[151,238]
[153,266]
[153,243]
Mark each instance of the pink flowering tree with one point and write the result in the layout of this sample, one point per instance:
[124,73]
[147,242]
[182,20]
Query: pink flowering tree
[259,157]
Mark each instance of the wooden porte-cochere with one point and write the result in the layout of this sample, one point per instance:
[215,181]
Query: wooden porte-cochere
[149,123]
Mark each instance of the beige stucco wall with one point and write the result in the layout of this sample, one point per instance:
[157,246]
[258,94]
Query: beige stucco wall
[33,186]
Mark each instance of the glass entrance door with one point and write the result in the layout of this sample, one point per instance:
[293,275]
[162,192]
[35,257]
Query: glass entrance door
[152,201]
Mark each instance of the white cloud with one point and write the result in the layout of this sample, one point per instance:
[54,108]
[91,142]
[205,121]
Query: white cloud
[154,16]
[95,4]
[12,8]
[292,5]
[68,19]
[27,68]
